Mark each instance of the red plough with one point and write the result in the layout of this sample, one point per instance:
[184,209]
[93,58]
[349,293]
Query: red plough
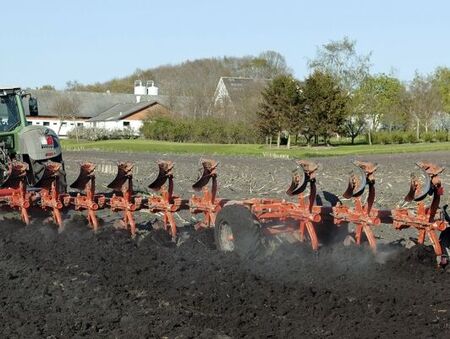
[363,215]
[423,218]
[166,202]
[300,216]
[207,204]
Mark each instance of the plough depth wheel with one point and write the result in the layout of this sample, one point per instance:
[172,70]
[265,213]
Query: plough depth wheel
[238,230]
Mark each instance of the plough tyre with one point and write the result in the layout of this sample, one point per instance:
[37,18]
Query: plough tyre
[237,229]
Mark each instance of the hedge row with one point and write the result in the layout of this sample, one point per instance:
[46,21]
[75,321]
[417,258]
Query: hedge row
[399,137]
[95,134]
[205,130]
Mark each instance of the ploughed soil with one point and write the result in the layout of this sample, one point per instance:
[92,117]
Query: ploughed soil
[75,283]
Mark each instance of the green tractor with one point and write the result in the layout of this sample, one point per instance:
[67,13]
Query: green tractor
[19,140]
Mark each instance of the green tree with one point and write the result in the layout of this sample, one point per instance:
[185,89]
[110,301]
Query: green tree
[279,108]
[354,125]
[442,78]
[341,59]
[378,99]
[324,105]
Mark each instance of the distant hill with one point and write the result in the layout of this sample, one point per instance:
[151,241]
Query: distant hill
[194,78]
[194,82]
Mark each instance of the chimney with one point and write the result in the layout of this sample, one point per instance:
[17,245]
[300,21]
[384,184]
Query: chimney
[151,88]
[139,89]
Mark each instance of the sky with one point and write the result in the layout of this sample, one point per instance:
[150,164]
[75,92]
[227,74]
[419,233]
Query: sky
[54,41]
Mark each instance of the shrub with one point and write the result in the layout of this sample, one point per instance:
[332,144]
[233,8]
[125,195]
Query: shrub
[398,137]
[441,136]
[202,130]
[95,134]
[411,137]
[427,137]
[381,138]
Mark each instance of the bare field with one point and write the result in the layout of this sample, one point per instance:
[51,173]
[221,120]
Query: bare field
[80,284]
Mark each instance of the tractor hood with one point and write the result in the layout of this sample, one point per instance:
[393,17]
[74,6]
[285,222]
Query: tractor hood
[39,142]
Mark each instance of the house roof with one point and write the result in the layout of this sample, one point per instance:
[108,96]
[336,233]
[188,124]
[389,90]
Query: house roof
[92,104]
[236,87]
[8,87]
[122,110]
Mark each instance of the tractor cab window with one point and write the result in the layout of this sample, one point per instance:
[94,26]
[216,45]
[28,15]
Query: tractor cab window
[9,113]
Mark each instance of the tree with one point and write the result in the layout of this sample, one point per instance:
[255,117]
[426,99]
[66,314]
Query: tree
[324,105]
[354,125]
[442,79]
[279,107]
[425,100]
[341,59]
[378,99]
[47,88]
[245,103]
[74,85]
[67,107]
[267,65]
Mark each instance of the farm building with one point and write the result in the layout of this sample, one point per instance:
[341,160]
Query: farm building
[63,111]
[235,93]
[129,115]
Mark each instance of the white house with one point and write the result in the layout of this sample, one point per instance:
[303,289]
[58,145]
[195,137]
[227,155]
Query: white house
[131,116]
[232,92]
[62,111]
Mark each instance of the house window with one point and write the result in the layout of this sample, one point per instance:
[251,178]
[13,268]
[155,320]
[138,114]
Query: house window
[46,123]
[71,124]
[79,124]
[126,124]
[55,123]
[38,122]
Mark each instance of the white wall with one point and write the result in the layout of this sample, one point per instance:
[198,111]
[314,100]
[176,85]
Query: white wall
[116,124]
[63,127]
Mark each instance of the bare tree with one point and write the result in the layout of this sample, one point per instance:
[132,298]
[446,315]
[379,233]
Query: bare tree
[67,108]
[425,100]
[341,60]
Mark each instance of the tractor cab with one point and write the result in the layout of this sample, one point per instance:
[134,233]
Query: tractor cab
[12,113]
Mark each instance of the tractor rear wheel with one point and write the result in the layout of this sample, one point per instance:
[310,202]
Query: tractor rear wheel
[327,231]
[236,229]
